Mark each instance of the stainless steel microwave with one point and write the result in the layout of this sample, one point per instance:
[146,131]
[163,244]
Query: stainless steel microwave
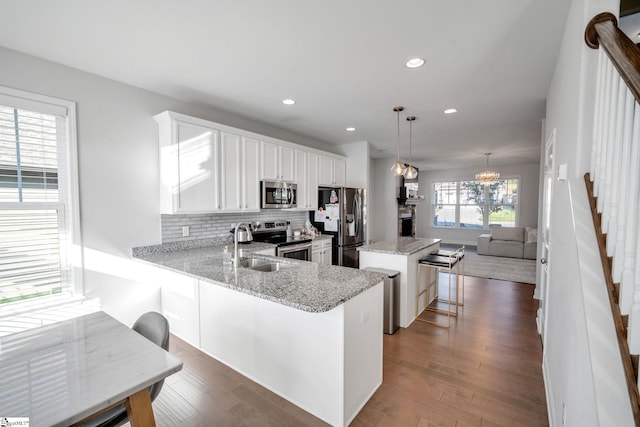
[278,195]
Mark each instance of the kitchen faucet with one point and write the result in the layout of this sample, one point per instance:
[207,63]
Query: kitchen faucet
[247,227]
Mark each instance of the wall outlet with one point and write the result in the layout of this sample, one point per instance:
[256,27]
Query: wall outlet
[185,231]
[564,413]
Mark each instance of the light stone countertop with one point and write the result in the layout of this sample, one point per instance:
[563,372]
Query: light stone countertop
[59,374]
[401,246]
[307,286]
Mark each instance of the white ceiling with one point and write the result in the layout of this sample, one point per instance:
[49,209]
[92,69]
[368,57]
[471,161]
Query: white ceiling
[341,60]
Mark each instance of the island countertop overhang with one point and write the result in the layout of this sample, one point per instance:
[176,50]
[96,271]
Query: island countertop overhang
[400,246]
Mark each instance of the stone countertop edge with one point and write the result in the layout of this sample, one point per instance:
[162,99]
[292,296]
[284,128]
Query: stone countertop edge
[310,287]
[402,246]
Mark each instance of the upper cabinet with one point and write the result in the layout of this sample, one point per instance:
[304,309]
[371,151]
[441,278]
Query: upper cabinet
[208,167]
[239,173]
[277,162]
[332,171]
[306,177]
[189,167]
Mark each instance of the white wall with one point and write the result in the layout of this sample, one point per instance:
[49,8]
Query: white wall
[529,175]
[571,368]
[118,172]
[357,154]
[383,204]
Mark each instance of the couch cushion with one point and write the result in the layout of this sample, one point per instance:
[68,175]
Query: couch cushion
[515,234]
[530,250]
[506,248]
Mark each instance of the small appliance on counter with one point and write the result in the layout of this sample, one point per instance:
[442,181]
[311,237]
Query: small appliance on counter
[287,246]
[243,236]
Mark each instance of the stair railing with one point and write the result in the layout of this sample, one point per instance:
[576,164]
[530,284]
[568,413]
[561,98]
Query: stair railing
[614,182]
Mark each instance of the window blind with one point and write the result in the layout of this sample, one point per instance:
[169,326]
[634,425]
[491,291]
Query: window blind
[32,210]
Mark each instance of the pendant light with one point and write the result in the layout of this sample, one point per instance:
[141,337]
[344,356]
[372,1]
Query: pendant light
[487,177]
[398,167]
[410,172]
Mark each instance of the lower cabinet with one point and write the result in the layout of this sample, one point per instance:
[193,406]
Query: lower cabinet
[321,251]
[180,299]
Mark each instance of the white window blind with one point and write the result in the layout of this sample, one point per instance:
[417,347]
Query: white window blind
[33,259]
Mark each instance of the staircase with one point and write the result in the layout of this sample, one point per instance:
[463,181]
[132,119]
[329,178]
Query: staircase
[613,183]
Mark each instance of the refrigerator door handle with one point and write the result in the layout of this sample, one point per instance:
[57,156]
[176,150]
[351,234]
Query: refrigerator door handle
[356,212]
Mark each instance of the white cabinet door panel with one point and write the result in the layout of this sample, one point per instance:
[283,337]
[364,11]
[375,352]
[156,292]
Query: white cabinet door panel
[251,174]
[231,172]
[197,186]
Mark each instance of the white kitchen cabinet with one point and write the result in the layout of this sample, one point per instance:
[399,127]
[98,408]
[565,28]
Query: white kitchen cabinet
[231,171]
[306,177]
[332,171]
[312,181]
[277,162]
[239,177]
[180,301]
[321,251]
[205,169]
[189,166]
[251,174]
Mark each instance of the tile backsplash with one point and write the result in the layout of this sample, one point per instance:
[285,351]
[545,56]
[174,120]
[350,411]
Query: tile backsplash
[205,226]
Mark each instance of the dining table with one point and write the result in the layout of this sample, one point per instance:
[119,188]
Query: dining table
[65,373]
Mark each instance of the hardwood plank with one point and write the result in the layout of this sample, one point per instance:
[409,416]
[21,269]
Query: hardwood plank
[486,370]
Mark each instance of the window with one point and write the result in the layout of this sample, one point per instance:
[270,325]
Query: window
[38,214]
[469,204]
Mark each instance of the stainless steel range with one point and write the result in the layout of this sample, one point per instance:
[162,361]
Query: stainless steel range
[286,246]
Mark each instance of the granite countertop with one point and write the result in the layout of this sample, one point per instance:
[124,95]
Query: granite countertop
[401,246]
[306,286]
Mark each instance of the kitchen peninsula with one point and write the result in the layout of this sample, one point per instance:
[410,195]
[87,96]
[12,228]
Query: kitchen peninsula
[402,255]
[310,332]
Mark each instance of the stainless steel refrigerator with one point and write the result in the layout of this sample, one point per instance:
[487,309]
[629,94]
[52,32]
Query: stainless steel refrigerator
[348,227]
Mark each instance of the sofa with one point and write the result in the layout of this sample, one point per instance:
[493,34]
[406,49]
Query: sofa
[512,242]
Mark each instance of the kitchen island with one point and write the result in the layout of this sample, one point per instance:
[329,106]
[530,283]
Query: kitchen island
[402,255]
[311,333]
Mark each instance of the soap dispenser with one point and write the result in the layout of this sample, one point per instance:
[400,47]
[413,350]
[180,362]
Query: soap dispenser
[289,232]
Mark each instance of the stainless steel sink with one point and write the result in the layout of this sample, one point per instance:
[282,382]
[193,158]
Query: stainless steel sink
[258,264]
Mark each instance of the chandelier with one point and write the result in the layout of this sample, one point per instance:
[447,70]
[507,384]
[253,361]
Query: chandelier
[398,167]
[487,177]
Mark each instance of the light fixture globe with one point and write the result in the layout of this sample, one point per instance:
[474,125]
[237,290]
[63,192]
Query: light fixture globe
[487,177]
[398,167]
[410,172]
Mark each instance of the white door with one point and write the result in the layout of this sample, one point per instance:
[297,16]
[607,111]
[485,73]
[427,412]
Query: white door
[544,238]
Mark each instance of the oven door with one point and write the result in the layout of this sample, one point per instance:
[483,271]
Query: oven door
[300,251]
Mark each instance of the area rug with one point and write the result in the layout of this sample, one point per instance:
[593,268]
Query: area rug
[500,268]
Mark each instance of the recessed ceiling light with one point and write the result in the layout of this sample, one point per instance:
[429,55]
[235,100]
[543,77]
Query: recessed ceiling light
[450,111]
[288,101]
[351,129]
[415,63]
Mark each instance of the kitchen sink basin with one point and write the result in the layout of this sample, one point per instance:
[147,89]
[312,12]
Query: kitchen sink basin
[258,264]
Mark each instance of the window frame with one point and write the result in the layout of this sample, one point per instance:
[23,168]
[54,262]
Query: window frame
[487,204]
[70,202]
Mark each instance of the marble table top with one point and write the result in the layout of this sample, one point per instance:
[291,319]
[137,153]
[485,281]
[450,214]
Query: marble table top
[401,246]
[307,286]
[59,374]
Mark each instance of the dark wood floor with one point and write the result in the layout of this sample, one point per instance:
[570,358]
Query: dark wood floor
[484,371]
